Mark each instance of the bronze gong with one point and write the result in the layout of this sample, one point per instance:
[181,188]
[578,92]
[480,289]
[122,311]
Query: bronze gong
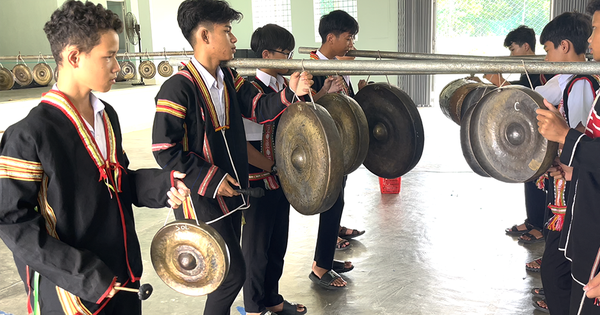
[7,79]
[352,126]
[42,74]
[191,258]
[147,69]
[461,94]
[165,69]
[505,138]
[309,158]
[127,70]
[396,136]
[23,75]
[465,143]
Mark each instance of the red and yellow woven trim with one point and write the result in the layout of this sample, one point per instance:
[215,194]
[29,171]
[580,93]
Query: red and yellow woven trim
[70,303]
[171,108]
[209,175]
[188,210]
[204,92]
[18,169]
[46,210]
[238,82]
[314,56]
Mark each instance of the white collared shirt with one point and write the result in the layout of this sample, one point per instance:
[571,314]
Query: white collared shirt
[322,57]
[580,100]
[254,130]
[98,130]
[216,87]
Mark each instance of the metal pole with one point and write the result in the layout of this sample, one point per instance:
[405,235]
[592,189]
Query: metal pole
[389,67]
[423,56]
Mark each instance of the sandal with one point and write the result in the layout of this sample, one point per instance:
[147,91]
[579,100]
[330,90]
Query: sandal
[538,292]
[537,262]
[344,230]
[291,309]
[326,281]
[342,244]
[532,239]
[340,266]
[516,232]
[542,308]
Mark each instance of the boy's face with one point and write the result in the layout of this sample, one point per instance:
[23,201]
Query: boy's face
[518,50]
[341,44]
[97,70]
[554,54]
[278,54]
[221,41]
[594,39]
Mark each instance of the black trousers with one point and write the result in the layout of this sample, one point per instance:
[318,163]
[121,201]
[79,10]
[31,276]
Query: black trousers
[329,226]
[264,243]
[556,276]
[219,302]
[535,205]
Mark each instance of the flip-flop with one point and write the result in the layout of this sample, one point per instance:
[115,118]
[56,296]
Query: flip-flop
[338,245]
[538,292]
[291,309]
[326,280]
[340,266]
[344,230]
[537,261]
[531,240]
[538,307]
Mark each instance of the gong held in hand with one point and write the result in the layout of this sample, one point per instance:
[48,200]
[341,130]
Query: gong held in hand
[190,257]
[504,136]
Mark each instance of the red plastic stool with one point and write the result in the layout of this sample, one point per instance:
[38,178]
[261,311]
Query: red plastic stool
[390,186]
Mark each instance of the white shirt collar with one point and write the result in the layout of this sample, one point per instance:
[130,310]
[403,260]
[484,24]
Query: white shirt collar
[209,80]
[97,104]
[321,56]
[269,80]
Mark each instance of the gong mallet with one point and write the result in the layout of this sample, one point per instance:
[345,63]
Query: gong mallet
[256,192]
[143,292]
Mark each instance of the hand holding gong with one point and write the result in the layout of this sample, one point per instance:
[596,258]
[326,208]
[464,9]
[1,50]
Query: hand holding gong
[551,124]
[301,83]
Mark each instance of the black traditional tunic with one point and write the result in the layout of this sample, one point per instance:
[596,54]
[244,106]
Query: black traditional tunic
[65,211]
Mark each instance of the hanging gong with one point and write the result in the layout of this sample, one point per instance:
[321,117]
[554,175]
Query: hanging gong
[42,74]
[147,69]
[23,75]
[474,96]
[127,70]
[465,143]
[454,98]
[396,136]
[165,69]
[309,158]
[352,126]
[191,258]
[56,74]
[505,138]
[7,79]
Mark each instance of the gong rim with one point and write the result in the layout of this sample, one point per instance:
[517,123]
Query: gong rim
[127,70]
[22,75]
[190,257]
[147,69]
[7,79]
[352,126]
[165,69]
[396,135]
[465,144]
[42,74]
[505,137]
[309,158]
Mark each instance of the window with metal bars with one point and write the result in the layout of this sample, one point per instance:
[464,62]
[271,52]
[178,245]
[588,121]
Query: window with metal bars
[322,7]
[272,11]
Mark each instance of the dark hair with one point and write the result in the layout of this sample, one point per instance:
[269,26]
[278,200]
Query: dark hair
[192,13]
[592,7]
[520,36]
[573,26]
[337,22]
[271,37]
[79,24]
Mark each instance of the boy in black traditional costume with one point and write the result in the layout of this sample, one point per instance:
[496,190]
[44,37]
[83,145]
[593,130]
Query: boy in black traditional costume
[198,128]
[66,206]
